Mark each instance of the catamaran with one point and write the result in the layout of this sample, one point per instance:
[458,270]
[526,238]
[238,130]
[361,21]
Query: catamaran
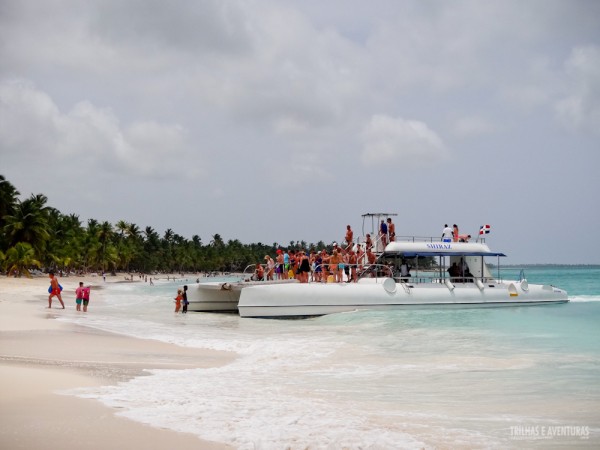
[461,277]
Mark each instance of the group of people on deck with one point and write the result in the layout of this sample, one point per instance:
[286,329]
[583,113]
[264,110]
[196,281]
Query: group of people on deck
[451,234]
[322,266]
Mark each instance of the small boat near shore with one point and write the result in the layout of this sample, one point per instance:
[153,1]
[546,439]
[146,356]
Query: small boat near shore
[223,296]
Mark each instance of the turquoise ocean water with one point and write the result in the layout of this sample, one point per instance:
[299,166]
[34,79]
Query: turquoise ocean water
[518,377]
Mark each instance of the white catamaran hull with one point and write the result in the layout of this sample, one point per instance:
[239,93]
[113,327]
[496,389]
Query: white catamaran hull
[316,299]
[219,296]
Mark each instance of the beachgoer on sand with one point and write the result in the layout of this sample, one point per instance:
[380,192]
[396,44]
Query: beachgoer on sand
[79,296]
[54,290]
[86,298]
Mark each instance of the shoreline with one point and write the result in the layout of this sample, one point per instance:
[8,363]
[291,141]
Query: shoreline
[40,358]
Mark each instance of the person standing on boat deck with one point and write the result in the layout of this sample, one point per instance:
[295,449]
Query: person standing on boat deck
[317,262]
[360,255]
[304,268]
[371,258]
[185,300]
[455,233]
[404,270]
[286,263]
[391,229]
[368,242]
[270,267]
[383,233]
[324,266]
[447,234]
[349,236]
[352,263]
[279,264]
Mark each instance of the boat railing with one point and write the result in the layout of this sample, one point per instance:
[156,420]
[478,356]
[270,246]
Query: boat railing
[249,274]
[361,271]
[429,239]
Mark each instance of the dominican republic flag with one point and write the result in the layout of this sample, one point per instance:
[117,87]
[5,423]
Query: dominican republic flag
[484,229]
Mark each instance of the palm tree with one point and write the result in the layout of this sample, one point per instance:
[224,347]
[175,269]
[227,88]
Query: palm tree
[105,232]
[19,258]
[29,223]
[8,202]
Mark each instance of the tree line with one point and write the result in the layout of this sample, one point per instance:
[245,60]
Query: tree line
[36,235]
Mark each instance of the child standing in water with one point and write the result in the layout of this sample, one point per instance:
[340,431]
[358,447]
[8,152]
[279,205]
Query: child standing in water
[178,300]
[185,300]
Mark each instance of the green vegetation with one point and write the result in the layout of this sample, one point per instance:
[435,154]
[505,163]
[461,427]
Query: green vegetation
[34,234]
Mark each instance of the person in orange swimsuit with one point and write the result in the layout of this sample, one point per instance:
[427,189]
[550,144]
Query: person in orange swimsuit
[178,300]
[54,291]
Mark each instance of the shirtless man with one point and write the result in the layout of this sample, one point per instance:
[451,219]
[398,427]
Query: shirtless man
[368,242]
[391,229]
[54,290]
[349,236]
[352,260]
[280,265]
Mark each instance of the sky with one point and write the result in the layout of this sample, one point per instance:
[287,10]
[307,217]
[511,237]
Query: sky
[277,121]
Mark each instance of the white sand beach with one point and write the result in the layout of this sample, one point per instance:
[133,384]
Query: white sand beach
[39,357]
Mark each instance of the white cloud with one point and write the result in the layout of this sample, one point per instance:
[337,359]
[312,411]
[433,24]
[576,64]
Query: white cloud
[581,109]
[473,126]
[31,122]
[389,140]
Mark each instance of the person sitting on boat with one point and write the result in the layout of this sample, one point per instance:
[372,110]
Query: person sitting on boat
[404,271]
[259,273]
[454,272]
[464,271]
[464,237]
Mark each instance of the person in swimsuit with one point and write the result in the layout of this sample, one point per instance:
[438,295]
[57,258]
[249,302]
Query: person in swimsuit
[391,229]
[304,268]
[349,236]
[178,300]
[54,291]
[79,296]
[86,298]
[383,232]
[368,242]
[280,266]
[270,267]
[352,262]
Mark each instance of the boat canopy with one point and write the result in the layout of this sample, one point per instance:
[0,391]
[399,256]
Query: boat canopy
[411,249]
